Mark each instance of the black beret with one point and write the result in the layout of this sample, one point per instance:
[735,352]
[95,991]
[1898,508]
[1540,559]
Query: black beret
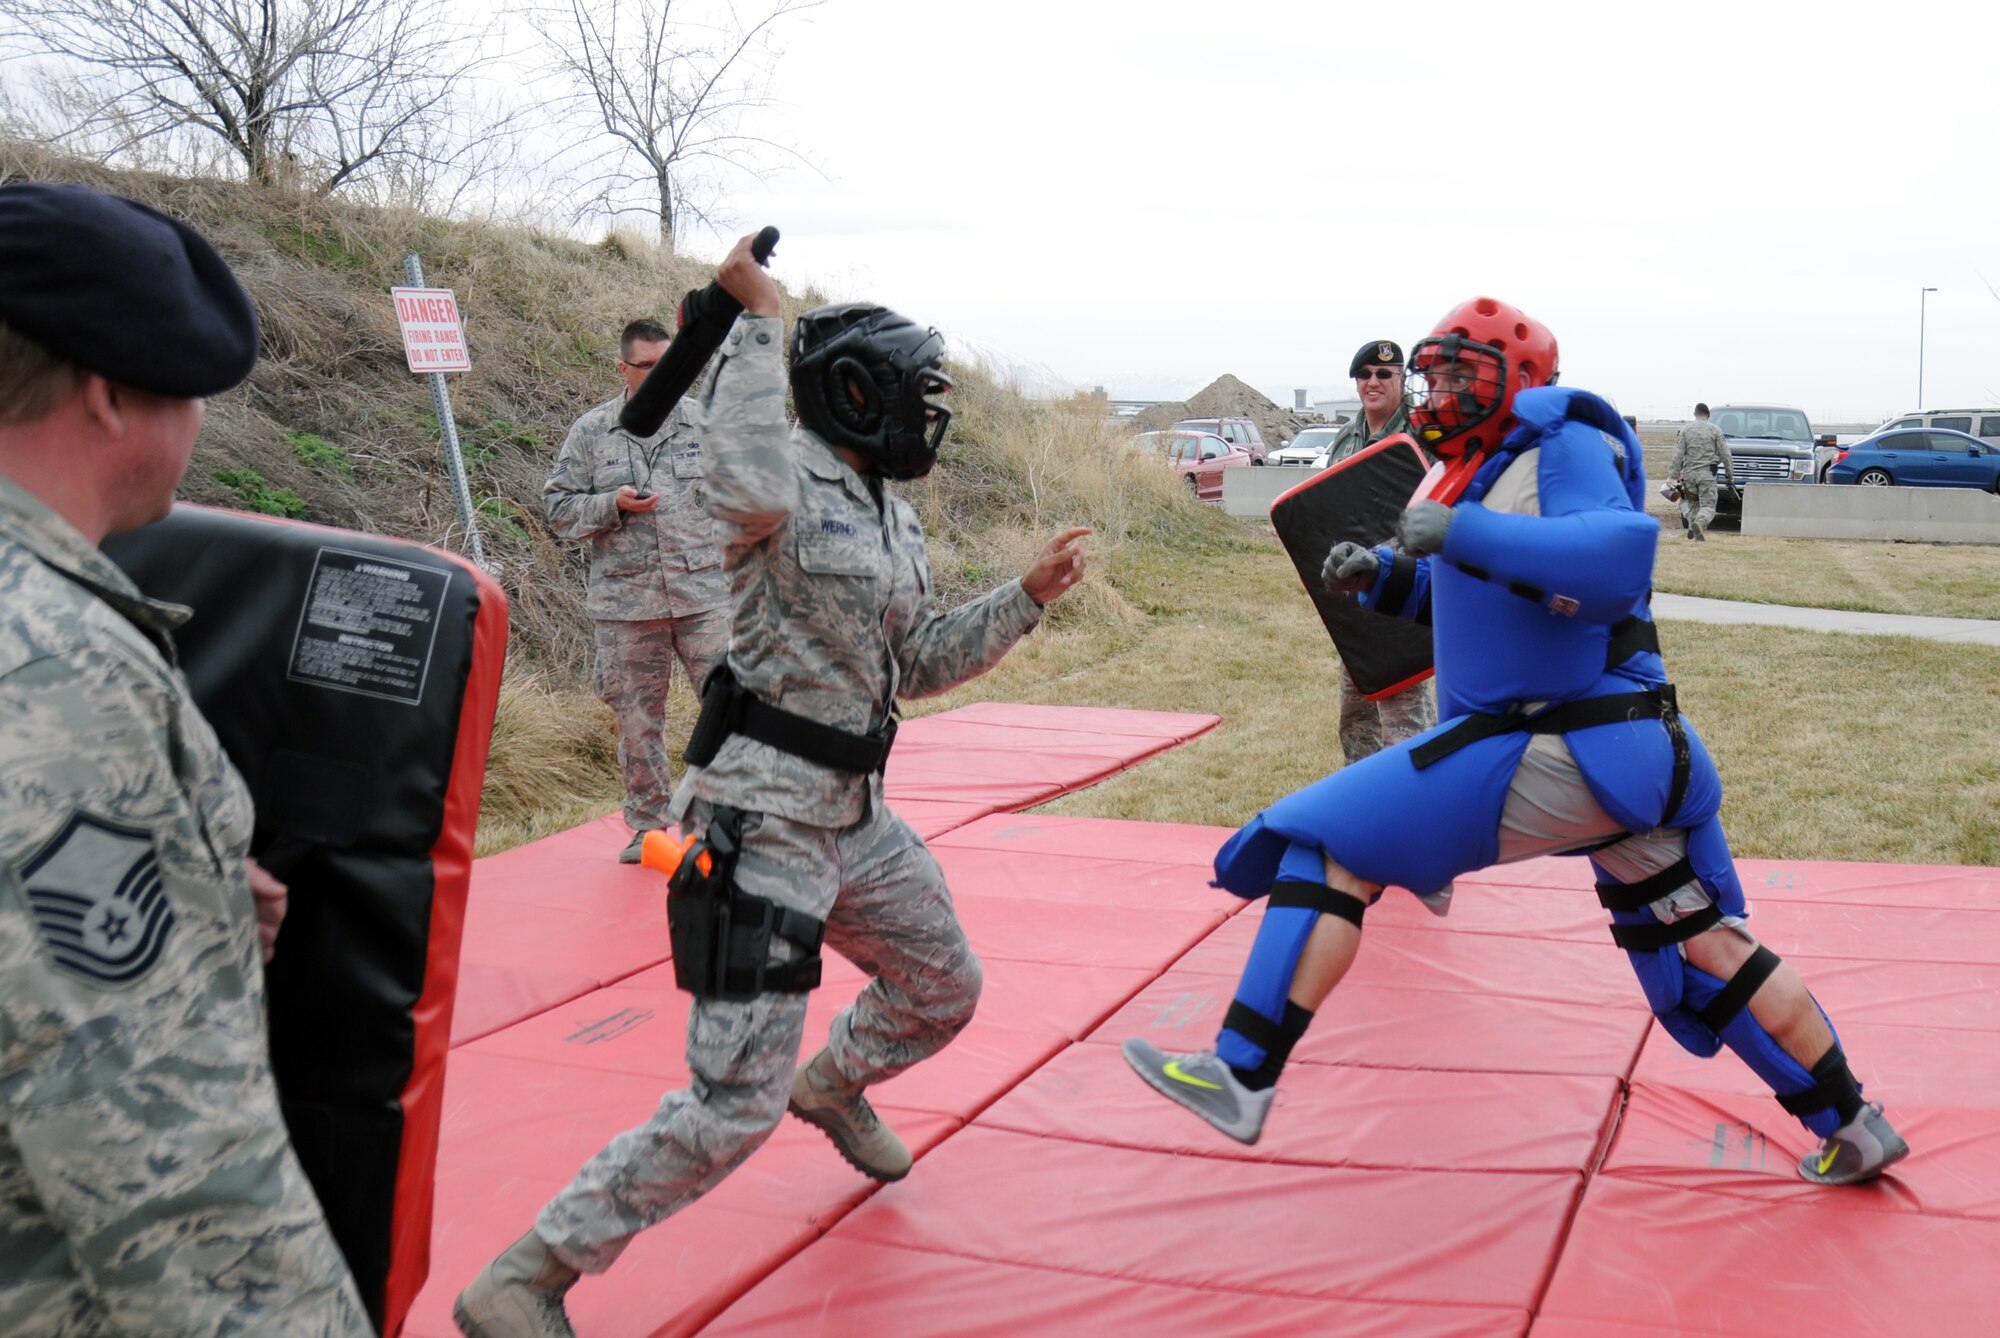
[1376,353]
[123,291]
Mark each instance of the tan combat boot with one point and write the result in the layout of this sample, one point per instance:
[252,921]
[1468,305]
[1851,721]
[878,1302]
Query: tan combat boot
[870,1146]
[518,1295]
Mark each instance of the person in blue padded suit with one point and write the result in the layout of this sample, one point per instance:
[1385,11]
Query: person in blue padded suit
[1558,734]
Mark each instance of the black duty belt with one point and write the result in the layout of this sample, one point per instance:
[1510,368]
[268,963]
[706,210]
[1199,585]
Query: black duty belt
[1617,708]
[729,708]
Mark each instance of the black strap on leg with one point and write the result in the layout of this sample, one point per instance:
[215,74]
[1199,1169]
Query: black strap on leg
[1637,896]
[1833,1088]
[1253,1026]
[1275,1039]
[1720,1011]
[1653,937]
[1319,897]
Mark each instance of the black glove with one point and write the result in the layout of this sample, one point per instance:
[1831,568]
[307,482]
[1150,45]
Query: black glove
[1349,569]
[1422,528]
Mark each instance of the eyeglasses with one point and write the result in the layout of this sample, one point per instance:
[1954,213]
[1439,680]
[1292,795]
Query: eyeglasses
[640,366]
[1378,373]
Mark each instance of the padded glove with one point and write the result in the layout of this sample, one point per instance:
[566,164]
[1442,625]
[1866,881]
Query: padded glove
[1349,569]
[1422,528]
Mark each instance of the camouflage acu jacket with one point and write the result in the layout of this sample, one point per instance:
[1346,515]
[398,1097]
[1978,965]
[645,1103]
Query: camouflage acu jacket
[643,564]
[1355,435]
[830,592]
[1699,446]
[147,1184]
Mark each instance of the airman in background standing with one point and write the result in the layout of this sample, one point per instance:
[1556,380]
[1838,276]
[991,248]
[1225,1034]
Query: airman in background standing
[1699,449]
[656,590]
[1366,726]
[147,1183]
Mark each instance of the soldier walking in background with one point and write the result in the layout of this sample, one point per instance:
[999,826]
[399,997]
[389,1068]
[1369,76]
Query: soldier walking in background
[656,590]
[1366,726]
[831,623]
[147,1184]
[1698,449]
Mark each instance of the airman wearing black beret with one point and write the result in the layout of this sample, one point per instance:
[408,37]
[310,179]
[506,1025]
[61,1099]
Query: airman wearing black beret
[1376,353]
[152,1187]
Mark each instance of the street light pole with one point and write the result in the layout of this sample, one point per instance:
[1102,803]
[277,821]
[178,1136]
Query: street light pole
[1921,299]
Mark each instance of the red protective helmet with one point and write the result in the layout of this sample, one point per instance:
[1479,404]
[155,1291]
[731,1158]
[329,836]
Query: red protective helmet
[1481,355]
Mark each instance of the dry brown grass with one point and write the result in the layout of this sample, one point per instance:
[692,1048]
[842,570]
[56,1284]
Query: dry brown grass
[1935,580]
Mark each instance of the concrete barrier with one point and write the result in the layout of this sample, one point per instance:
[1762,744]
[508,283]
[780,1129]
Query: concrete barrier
[1250,490]
[1850,511]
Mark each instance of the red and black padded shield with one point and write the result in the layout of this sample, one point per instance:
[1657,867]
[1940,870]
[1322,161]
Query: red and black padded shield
[352,679]
[1358,500]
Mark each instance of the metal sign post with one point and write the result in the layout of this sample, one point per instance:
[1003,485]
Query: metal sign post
[434,343]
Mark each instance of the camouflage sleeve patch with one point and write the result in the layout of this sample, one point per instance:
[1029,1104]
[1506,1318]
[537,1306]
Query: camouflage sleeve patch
[96,899]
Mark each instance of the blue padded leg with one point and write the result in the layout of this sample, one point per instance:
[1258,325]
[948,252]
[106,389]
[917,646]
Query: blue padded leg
[1274,958]
[1756,1047]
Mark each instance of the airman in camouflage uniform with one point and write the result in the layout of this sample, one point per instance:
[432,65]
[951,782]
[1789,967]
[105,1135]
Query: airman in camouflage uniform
[1367,727]
[656,590]
[832,621]
[1699,449]
[147,1184]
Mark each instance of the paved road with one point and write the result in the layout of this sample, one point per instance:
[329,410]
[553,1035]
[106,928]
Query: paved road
[1965,631]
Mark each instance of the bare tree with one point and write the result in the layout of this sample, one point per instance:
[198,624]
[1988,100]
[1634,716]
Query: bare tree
[313,93]
[670,86]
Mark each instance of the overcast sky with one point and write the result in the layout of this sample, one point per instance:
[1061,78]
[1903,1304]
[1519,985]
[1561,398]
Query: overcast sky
[1705,201]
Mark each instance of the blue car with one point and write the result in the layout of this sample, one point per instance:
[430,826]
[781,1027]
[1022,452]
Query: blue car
[1919,458]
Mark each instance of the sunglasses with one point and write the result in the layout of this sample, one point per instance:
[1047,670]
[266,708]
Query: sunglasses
[1378,373]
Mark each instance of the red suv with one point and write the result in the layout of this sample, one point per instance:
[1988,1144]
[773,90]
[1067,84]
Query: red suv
[1199,456]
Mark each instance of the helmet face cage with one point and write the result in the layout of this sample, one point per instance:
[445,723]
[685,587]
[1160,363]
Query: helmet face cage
[1482,354]
[863,378]
[1455,385]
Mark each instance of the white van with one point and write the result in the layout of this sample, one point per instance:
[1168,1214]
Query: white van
[1981,423]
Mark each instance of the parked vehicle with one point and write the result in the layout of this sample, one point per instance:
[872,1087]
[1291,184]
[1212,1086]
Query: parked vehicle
[1310,447]
[1918,458]
[1200,457]
[1981,423]
[1238,431]
[1768,443]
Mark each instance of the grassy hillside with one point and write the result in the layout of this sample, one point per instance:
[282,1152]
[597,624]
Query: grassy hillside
[333,427]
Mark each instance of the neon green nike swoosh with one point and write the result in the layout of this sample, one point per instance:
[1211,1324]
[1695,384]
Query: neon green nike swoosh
[1173,1070]
[1826,1162]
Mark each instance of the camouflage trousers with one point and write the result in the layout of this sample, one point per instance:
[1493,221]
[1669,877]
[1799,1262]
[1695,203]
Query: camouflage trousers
[887,910]
[1698,494]
[635,663]
[1367,727]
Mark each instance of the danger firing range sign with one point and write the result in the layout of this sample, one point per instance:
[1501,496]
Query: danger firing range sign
[433,339]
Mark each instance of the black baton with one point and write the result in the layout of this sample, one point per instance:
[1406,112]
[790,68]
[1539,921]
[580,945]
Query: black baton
[705,317]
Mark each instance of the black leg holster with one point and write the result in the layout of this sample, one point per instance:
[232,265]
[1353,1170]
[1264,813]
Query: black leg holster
[722,937]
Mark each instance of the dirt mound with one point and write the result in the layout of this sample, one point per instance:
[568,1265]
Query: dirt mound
[1228,397]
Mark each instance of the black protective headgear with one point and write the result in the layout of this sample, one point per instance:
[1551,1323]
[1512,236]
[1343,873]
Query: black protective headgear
[862,377]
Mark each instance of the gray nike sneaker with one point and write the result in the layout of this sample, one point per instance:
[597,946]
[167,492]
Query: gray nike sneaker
[1205,1085]
[1856,1151]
